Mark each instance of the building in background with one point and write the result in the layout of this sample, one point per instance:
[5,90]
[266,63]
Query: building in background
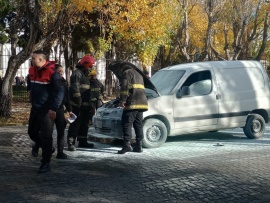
[5,53]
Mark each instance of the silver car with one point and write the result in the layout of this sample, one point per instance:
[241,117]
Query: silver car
[107,120]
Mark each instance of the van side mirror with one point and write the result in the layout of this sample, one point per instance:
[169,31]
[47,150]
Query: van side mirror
[184,91]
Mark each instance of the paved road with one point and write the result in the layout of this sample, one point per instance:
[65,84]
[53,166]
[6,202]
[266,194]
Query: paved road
[207,167]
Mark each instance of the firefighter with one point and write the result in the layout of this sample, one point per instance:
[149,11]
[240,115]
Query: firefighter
[80,101]
[97,93]
[133,101]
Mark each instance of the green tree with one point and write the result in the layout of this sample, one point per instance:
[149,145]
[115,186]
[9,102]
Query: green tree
[39,21]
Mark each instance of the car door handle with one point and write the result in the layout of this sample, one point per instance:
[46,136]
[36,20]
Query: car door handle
[218,96]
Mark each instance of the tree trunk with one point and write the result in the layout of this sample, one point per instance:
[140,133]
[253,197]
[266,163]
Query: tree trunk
[67,64]
[265,37]
[17,59]
[6,98]
[6,89]
[184,42]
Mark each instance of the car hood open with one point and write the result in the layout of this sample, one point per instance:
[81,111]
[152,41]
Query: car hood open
[147,83]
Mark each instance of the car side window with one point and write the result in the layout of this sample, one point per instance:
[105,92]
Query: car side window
[199,83]
[202,87]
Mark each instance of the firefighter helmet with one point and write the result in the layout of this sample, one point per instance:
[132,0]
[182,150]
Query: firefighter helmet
[87,61]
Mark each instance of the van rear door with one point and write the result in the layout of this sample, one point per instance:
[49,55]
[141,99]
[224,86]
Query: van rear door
[242,89]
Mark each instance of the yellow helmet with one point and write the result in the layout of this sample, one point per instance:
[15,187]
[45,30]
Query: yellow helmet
[93,72]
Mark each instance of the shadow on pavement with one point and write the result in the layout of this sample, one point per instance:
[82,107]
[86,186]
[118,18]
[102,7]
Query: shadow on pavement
[219,137]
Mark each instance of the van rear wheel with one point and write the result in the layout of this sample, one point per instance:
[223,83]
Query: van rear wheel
[155,133]
[255,126]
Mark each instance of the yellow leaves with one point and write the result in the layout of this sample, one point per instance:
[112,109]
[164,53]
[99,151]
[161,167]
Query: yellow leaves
[147,23]
[85,5]
[103,46]
[197,25]
[50,10]
[49,13]
[51,7]
[20,114]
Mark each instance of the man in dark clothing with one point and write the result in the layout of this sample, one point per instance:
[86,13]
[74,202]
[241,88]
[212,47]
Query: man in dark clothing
[133,101]
[97,93]
[80,101]
[17,80]
[46,94]
[60,120]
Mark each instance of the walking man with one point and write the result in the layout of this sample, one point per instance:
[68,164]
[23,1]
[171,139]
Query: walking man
[46,94]
[60,121]
[133,101]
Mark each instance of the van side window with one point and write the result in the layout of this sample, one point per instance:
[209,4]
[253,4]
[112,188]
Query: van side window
[199,83]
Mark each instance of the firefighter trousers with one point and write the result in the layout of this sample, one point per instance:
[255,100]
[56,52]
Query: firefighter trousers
[132,118]
[79,128]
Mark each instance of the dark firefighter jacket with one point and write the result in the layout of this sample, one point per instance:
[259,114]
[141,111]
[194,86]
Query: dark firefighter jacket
[132,91]
[97,90]
[79,87]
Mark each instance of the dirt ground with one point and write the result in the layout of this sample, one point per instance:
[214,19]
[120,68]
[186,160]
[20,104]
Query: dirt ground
[19,114]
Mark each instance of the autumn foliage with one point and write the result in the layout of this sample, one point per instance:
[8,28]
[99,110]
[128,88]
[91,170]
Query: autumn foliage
[145,24]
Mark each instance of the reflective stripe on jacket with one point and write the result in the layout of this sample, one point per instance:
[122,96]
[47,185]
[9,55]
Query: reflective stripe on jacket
[46,88]
[79,86]
[132,91]
[97,90]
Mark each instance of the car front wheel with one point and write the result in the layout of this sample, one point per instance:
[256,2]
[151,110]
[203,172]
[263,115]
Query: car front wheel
[255,126]
[155,133]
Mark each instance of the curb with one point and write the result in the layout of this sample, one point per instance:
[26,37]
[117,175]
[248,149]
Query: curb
[103,140]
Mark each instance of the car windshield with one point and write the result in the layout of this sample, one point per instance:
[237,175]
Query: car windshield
[166,80]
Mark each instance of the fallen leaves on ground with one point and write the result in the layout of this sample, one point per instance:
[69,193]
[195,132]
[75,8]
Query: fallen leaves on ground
[19,114]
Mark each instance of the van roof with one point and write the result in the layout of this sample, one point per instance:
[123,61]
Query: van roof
[223,64]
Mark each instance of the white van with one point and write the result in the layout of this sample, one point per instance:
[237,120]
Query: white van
[199,97]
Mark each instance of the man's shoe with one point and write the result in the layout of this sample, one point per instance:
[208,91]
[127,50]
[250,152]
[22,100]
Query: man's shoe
[61,155]
[35,149]
[86,145]
[125,149]
[44,168]
[71,147]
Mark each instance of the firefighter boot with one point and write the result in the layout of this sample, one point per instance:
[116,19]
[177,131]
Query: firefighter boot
[85,144]
[71,147]
[138,146]
[60,153]
[126,148]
